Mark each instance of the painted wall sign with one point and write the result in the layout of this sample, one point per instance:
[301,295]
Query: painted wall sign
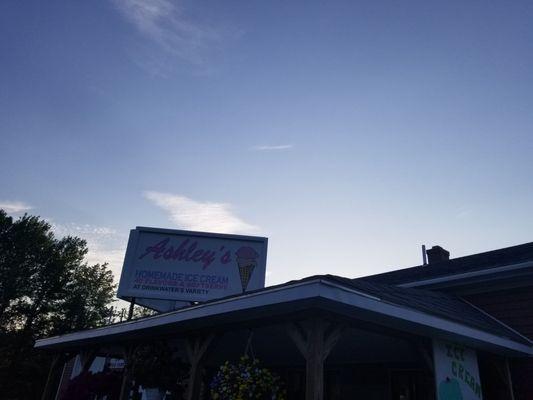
[164,264]
[456,372]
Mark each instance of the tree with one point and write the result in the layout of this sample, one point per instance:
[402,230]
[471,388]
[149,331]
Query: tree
[88,296]
[46,288]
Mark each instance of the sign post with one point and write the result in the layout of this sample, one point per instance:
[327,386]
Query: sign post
[163,267]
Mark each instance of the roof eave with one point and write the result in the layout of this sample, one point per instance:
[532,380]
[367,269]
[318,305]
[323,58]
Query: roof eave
[359,305]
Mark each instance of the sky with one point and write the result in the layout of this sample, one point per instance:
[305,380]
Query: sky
[347,132]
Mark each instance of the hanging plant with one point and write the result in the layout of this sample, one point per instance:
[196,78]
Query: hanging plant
[246,380]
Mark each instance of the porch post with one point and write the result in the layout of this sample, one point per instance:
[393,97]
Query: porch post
[503,370]
[196,350]
[315,341]
[508,379]
[51,372]
[426,352]
[125,388]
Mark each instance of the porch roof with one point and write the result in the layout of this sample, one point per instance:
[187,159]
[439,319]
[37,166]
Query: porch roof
[416,311]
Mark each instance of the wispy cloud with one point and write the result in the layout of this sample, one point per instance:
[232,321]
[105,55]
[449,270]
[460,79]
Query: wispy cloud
[273,147]
[105,244]
[164,23]
[463,213]
[14,206]
[199,216]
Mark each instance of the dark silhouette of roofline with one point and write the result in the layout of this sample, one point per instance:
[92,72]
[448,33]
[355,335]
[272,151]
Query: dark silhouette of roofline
[485,261]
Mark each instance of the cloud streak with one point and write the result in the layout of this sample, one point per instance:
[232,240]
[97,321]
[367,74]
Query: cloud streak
[199,216]
[273,147]
[162,22]
[14,206]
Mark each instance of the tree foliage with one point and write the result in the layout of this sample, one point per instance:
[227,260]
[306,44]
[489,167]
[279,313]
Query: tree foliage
[156,365]
[46,288]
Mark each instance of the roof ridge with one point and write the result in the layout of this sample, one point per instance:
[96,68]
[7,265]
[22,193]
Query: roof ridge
[484,261]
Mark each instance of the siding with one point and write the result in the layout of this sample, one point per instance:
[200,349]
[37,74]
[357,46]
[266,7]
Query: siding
[513,307]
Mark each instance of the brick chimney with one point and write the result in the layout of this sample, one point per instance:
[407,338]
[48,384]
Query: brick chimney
[437,254]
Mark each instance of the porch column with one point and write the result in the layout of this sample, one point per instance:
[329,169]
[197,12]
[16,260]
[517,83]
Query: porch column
[59,361]
[426,353]
[125,388]
[315,340]
[196,350]
[47,392]
[509,379]
[502,367]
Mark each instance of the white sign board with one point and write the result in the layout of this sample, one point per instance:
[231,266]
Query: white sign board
[164,264]
[160,305]
[456,372]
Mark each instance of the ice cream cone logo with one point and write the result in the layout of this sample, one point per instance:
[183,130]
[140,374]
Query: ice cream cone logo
[246,261]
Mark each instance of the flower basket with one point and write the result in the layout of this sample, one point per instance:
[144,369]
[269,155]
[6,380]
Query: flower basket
[246,380]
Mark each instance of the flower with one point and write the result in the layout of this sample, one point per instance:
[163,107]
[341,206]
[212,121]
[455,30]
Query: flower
[245,380]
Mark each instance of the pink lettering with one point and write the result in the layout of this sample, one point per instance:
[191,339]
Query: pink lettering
[226,258]
[197,256]
[169,253]
[180,251]
[189,251]
[157,249]
[184,252]
[208,258]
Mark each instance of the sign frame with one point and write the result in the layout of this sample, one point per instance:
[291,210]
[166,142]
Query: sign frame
[456,370]
[125,292]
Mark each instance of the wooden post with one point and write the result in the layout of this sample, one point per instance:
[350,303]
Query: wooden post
[132,308]
[196,349]
[504,372]
[425,351]
[315,342]
[49,380]
[427,356]
[64,375]
[509,379]
[125,388]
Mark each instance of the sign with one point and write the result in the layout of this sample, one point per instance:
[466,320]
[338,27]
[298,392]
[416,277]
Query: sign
[456,372]
[160,305]
[170,265]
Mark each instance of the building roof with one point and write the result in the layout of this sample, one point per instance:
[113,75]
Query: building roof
[494,261]
[436,303]
[412,310]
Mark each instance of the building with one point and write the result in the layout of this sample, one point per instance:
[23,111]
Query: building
[374,337]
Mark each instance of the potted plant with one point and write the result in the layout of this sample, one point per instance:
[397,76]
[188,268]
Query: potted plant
[246,380]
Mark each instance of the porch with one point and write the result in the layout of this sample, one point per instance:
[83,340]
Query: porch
[326,337]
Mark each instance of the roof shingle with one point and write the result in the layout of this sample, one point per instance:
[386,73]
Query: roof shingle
[475,262]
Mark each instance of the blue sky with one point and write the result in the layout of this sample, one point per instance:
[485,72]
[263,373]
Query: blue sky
[349,133]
